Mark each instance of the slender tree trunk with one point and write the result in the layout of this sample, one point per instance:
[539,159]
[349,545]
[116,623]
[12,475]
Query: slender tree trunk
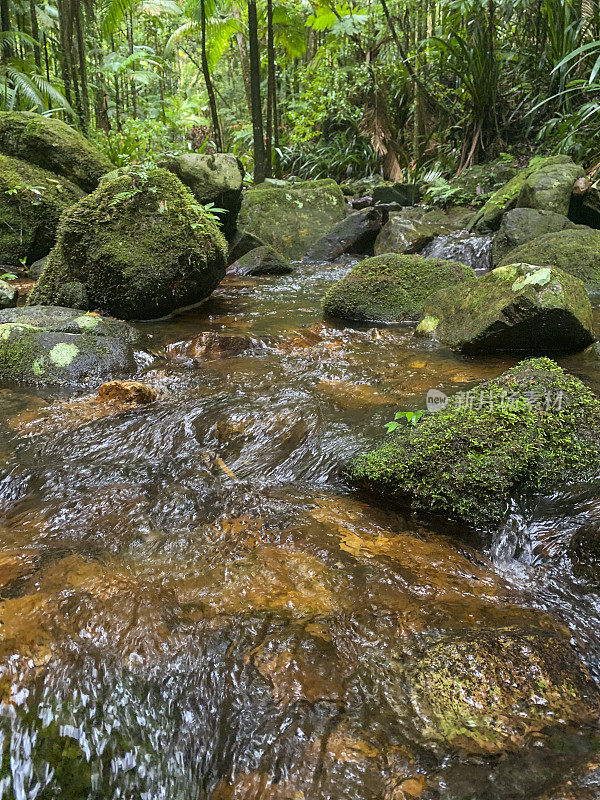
[271,101]
[130,45]
[244,62]
[161,85]
[64,47]
[35,32]
[81,55]
[5,24]
[257,124]
[208,82]
[46,58]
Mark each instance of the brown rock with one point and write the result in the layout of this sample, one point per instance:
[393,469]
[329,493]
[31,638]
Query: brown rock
[130,392]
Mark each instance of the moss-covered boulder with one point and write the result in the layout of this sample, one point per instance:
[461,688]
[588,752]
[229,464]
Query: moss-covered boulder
[138,247]
[261,261]
[520,307]
[574,251]
[31,203]
[489,691]
[291,219]
[355,234]
[215,178]
[545,184]
[53,145]
[532,428]
[584,552]
[62,346]
[8,295]
[391,288]
[410,230]
[521,225]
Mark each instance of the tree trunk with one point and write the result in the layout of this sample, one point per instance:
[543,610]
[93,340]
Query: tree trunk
[208,82]
[64,50]
[271,102]
[5,24]
[130,46]
[35,33]
[257,124]
[81,54]
[244,62]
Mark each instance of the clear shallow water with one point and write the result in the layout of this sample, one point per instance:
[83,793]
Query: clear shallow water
[194,605]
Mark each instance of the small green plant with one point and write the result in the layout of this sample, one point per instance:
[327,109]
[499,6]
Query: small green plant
[410,418]
[8,276]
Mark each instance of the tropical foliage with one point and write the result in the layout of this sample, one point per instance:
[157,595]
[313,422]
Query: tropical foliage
[313,87]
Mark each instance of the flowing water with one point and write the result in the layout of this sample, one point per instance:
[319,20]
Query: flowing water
[194,604]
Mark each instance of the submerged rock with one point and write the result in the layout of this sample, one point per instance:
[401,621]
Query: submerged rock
[574,251]
[546,184]
[53,145]
[215,179]
[410,230]
[514,308]
[63,346]
[486,691]
[261,261]
[532,428]
[126,392]
[137,247]
[355,234]
[31,203]
[8,295]
[391,288]
[292,218]
[521,225]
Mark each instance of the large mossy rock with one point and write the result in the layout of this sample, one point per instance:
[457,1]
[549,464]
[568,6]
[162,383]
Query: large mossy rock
[355,234]
[488,691]
[521,225]
[532,428]
[391,288]
[215,179]
[31,203]
[63,346]
[475,183]
[574,251]
[517,308]
[139,247]
[546,184]
[53,145]
[292,218]
[410,230]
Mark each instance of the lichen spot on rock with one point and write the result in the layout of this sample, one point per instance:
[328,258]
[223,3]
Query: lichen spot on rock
[427,325]
[38,366]
[87,322]
[62,354]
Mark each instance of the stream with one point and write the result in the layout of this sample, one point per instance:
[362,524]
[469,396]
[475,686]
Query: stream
[196,606]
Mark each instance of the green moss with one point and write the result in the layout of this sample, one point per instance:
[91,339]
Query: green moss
[507,197]
[575,251]
[292,218]
[391,288]
[506,436]
[31,203]
[53,145]
[139,247]
[518,307]
[485,691]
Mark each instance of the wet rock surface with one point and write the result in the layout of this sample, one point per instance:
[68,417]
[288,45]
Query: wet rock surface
[58,346]
[517,308]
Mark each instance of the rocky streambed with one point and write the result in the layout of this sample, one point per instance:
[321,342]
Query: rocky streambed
[196,604]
